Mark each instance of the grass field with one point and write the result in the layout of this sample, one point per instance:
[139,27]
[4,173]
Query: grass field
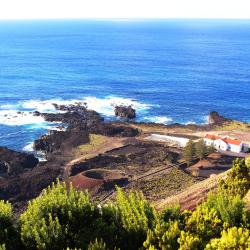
[235,125]
[94,141]
[163,185]
[194,195]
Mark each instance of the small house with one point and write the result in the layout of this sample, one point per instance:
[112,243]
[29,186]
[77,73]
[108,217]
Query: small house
[224,143]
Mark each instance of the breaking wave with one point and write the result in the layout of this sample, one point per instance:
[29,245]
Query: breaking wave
[22,112]
[18,118]
[159,119]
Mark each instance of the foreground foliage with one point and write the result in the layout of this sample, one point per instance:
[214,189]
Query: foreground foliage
[63,219]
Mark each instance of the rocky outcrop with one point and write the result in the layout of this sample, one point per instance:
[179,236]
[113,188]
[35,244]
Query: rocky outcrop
[125,112]
[215,118]
[79,122]
[12,162]
[61,141]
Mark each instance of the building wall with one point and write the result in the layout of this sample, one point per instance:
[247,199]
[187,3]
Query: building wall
[182,142]
[220,144]
[236,148]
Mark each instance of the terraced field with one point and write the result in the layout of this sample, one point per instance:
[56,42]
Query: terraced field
[193,195]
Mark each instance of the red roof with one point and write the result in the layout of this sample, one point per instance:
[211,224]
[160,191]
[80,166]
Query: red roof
[212,137]
[225,139]
[232,141]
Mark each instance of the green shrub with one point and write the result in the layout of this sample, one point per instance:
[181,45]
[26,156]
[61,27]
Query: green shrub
[230,208]
[97,245]
[189,241]
[137,216]
[233,238]
[8,233]
[57,219]
[238,179]
[163,236]
[171,213]
[204,222]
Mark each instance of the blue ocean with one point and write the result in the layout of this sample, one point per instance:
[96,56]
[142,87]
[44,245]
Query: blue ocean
[169,70]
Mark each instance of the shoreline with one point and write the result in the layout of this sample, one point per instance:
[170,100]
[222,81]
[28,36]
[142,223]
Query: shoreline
[115,151]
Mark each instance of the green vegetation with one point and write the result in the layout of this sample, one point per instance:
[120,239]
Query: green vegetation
[233,238]
[234,125]
[200,149]
[196,150]
[189,152]
[8,234]
[165,185]
[94,141]
[61,219]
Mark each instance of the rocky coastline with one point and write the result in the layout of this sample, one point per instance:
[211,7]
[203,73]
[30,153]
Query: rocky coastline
[23,177]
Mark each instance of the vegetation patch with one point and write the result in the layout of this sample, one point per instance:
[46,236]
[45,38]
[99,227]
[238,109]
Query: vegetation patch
[234,125]
[62,218]
[164,185]
[94,141]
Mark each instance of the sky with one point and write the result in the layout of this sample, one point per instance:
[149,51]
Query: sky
[124,9]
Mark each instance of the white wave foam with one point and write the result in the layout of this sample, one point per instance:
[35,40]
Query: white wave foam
[190,123]
[205,119]
[159,119]
[9,106]
[106,105]
[29,147]
[40,106]
[16,118]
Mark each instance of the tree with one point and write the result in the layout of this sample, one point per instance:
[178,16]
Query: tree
[200,149]
[189,152]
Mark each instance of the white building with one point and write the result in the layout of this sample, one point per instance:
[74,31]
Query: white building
[225,143]
[178,141]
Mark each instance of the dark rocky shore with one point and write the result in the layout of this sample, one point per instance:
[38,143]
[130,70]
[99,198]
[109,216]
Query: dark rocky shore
[23,177]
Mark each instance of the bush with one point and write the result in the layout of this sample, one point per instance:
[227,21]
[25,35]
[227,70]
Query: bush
[238,180]
[233,238]
[230,208]
[57,219]
[8,233]
[171,213]
[163,236]
[189,241]
[204,222]
[136,217]
[97,245]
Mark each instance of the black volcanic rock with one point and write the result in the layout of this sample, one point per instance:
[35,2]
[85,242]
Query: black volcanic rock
[215,118]
[61,140]
[12,162]
[125,112]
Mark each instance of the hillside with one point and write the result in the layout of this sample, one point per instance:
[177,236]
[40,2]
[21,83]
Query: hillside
[193,195]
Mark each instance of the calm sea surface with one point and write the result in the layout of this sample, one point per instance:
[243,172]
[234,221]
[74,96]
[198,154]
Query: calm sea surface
[171,71]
